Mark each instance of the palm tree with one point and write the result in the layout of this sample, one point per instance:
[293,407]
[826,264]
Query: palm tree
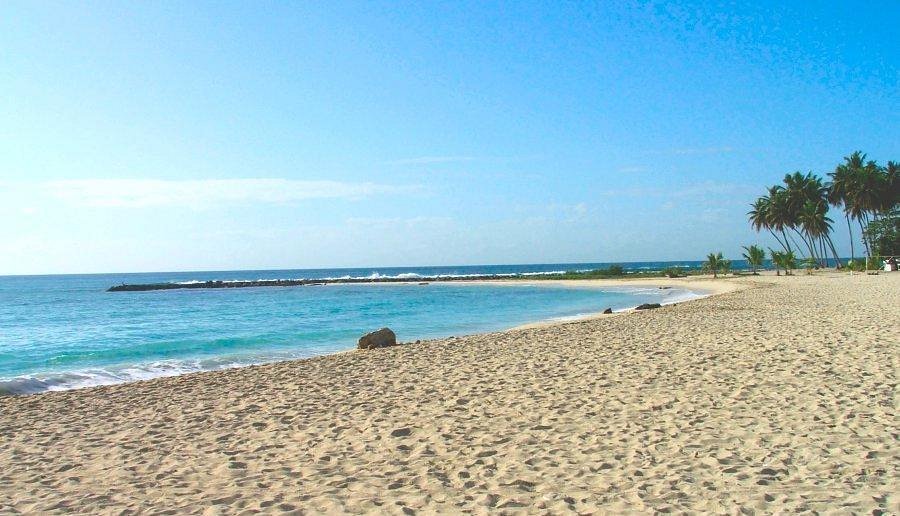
[891,194]
[864,191]
[794,196]
[713,263]
[755,256]
[798,209]
[840,188]
[789,262]
[783,260]
[760,217]
[777,260]
[779,215]
[800,190]
[817,225]
[725,266]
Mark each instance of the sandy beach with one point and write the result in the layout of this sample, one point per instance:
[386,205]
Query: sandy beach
[776,395]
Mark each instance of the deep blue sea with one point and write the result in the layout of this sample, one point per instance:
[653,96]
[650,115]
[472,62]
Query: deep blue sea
[65,331]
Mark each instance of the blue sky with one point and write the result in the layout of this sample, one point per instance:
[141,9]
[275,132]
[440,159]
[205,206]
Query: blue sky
[153,136]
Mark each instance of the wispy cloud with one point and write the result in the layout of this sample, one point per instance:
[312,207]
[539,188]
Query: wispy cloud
[430,160]
[704,189]
[138,193]
[398,222]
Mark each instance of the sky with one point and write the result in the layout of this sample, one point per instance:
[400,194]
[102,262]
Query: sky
[163,136]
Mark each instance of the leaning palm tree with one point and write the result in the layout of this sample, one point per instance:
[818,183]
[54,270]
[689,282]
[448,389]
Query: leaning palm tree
[755,256]
[760,218]
[784,214]
[841,187]
[816,224]
[779,216]
[864,196]
[713,263]
[799,190]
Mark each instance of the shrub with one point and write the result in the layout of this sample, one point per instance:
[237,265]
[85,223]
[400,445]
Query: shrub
[809,264]
[673,272]
[615,270]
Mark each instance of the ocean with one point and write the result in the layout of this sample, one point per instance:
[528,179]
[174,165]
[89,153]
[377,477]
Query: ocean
[66,331]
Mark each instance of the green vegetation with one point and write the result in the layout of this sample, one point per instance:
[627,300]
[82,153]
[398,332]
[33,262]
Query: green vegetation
[856,265]
[783,260]
[809,264]
[674,272]
[866,192]
[883,234]
[755,257]
[613,271]
[716,263]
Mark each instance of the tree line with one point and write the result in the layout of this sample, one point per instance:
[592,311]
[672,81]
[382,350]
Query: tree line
[795,212]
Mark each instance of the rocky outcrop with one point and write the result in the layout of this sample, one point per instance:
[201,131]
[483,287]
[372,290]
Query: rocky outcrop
[140,287]
[647,306]
[607,311]
[382,338]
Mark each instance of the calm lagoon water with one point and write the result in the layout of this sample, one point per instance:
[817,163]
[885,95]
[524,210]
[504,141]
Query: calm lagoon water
[63,332]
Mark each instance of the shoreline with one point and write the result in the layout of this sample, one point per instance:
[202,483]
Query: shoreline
[695,287]
[728,402]
[702,287]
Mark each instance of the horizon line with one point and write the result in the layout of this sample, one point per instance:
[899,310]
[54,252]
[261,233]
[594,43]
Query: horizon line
[615,262]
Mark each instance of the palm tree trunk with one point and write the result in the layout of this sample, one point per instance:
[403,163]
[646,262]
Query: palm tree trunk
[786,244]
[778,239]
[814,243]
[800,249]
[824,252]
[812,253]
[864,240]
[837,259]
[850,230]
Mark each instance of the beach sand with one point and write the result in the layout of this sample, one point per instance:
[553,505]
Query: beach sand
[777,397]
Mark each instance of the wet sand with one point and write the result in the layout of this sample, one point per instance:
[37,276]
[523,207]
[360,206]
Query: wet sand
[777,397]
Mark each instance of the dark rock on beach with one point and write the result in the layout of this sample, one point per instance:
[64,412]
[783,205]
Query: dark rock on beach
[608,311]
[382,338]
[647,306]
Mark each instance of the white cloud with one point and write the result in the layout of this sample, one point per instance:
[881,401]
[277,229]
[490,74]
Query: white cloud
[138,193]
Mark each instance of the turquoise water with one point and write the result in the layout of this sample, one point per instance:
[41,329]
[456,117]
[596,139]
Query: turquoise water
[62,332]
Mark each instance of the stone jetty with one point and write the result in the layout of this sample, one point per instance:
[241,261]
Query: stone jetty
[139,287]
